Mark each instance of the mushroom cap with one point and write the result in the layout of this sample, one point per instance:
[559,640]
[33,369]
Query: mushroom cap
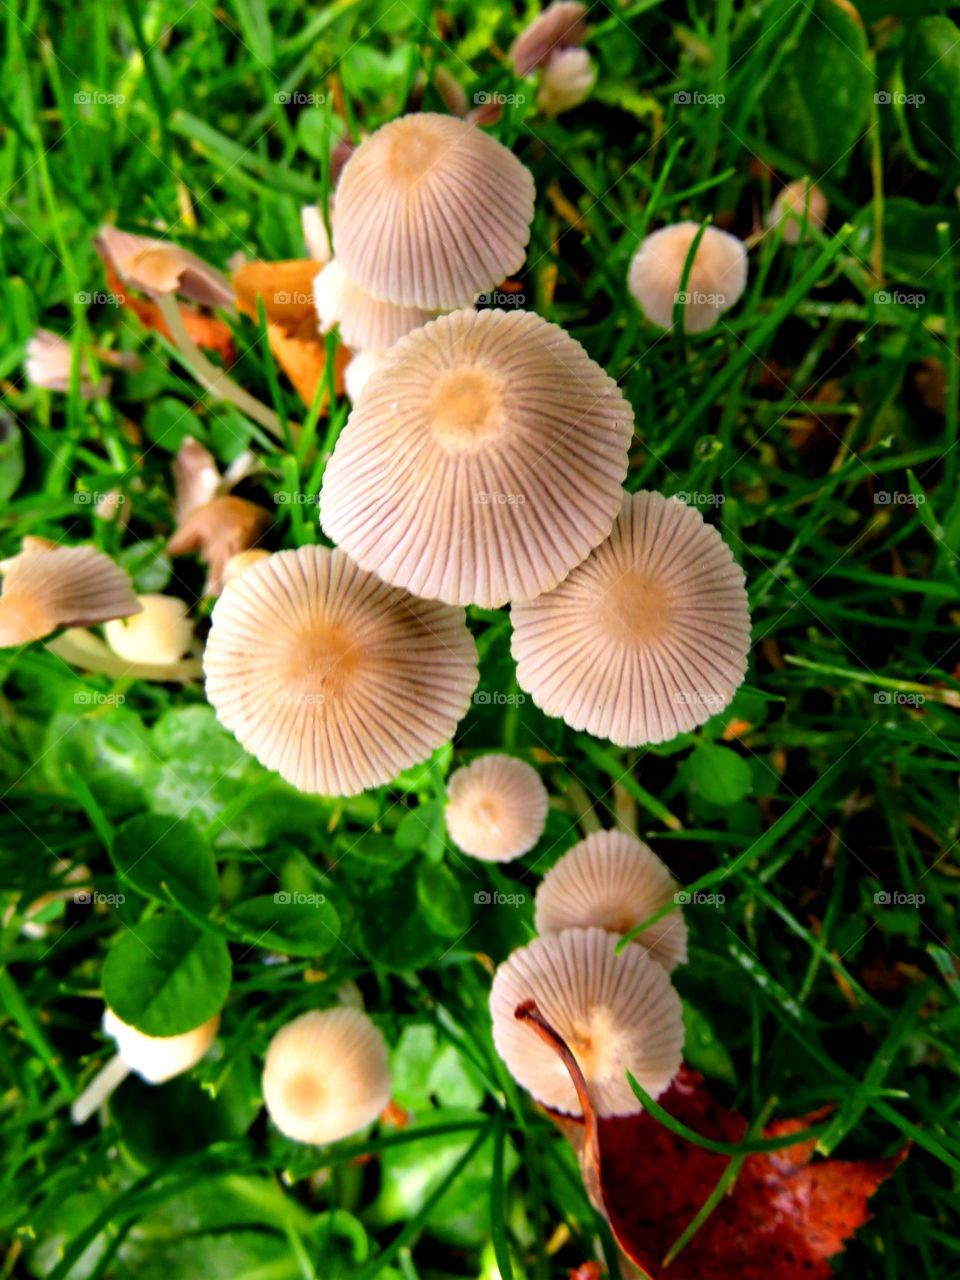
[613,881]
[365,323]
[718,275]
[431,212]
[315,233]
[616,1014]
[159,1058]
[331,678]
[47,588]
[795,203]
[219,530]
[482,461]
[648,637]
[360,370]
[49,365]
[559,25]
[161,633]
[157,266]
[326,1075]
[496,808]
[567,80]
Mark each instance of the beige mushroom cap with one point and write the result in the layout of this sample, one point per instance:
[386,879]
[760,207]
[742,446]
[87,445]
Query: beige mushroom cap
[559,25]
[613,881]
[160,1058]
[331,678]
[616,1014]
[45,588]
[161,267]
[326,1076]
[566,81]
[796,203]
[49,364]
[482,461]
[718,275]
[365,323]
[496,808]
[219,530]
[360,370]
[431,212]
[160,634]
[648,637]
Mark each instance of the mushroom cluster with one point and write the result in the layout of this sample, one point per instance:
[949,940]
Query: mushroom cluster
[614,1009]
[550,44]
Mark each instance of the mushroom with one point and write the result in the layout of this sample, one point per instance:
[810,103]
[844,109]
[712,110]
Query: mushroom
[331,677]
[242,561]
[160,267]
[326,1075]
[717,279]
[196,477]
[558,27]
[613,881]
[482,461]
[315,234]
[365,323]
[360,370]
[49,364]
[648,637]
[798,206]
[430,212]
[218,530]
[496,808]
[159,635]
[567,80]
[617,1013]
[155,1059]
[48,587]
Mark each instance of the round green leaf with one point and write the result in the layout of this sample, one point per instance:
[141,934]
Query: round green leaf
[719,774]
[301,924]
[166,976]
[166,859]
[395,931]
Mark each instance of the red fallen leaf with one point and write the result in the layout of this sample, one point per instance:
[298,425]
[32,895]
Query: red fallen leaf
[207,332]
[784,1216]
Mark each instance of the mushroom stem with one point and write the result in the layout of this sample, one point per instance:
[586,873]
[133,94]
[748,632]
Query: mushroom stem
[81,648]
[109,1077]
[209,376]
[529,1013]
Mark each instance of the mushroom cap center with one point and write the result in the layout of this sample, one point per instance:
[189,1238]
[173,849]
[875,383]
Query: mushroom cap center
[322,660]
[413,150]
[640,607]
[305,1093]
[464,409]
[595,1041]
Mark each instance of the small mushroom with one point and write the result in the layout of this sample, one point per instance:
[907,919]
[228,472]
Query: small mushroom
[430,212]
[326,1075]
[155,1059]
[648,637]
[567,80]
[196,477]
[218,530]
[798,206]
[243,561]
[365,323]
[559,26]
[360,370]
[482,461]
[315,234]
[613,881]
[49,364]
[717,279]
[496,808]
[331,677]
[48,587]
[617,1013]
[160,267]
[159,635]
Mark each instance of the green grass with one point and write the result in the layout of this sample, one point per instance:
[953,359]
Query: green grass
[785,423]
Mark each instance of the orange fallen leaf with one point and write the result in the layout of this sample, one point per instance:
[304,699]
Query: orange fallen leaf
[785,1215]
